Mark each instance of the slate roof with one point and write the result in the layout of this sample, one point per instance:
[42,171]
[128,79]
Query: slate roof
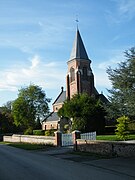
[103,98]
[78,50]
[95,91]
[61,98]
[53,116]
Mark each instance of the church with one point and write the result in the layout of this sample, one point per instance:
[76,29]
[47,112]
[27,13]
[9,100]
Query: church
[79,79]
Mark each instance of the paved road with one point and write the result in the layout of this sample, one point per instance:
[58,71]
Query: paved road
[18,164]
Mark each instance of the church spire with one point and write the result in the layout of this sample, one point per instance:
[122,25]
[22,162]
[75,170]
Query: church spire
[80,78]
[78,50]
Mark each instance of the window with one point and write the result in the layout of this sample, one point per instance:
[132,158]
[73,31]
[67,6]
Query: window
[85,72]
[72,72]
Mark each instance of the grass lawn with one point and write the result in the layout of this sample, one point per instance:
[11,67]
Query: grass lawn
[28,146]
[113,137]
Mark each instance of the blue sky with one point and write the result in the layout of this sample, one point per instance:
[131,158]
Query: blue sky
[36,38]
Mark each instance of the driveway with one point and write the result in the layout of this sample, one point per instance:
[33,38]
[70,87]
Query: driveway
[18,164]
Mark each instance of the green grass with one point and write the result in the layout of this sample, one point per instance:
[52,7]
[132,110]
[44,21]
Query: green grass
[28,146]
[114,137]
[107,137]
[1,142]
[131,137]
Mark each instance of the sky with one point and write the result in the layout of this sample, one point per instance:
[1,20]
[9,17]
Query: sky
[36,39]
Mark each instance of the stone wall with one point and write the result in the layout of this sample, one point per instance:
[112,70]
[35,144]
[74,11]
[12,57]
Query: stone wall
[111,148]
[55,140]
[30,139]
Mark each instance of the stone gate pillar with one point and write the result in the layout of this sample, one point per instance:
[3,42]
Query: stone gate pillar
[58,138]
[76,135]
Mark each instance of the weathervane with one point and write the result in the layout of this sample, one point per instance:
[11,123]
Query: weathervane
[77,21]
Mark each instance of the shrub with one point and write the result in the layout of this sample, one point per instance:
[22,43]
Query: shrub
[28,131]
[49,132]
[122,127]
[131,127]
[38,132]
[66,128]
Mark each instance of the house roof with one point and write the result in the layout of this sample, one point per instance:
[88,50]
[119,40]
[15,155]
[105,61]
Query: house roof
[61,97]
[103,98]
[53,116]
[95,91]
[78,50]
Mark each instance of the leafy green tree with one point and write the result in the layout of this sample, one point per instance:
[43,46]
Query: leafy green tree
[30,106]
[122,127]
[6,119]
[79,124]
[87,113]
[38,124]
[123,87]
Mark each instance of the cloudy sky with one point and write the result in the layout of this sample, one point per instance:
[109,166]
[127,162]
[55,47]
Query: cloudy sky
[36,38]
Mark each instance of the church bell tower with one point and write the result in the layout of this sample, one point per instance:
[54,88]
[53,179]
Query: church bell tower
[80,78]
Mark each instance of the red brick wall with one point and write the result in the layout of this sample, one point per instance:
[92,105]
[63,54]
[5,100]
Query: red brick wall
[49,125]
[56,107]
[86,85]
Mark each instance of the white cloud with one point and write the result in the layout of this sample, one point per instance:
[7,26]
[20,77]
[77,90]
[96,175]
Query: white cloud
[35,61]
[48,75]
[101,77]
[117,37]
[40,23]
[51,64]
[113,62]
[127,8]
[46,33]
[124,11]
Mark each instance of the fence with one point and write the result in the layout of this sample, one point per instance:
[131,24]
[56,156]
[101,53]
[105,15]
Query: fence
[88,136]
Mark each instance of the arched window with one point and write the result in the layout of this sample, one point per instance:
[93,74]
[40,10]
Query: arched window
[72,73]
[85,72]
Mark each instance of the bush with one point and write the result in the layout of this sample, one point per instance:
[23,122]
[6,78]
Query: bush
[131,126]
[28,131]
[49,132]
[66,128]
[122,128]
[39,132]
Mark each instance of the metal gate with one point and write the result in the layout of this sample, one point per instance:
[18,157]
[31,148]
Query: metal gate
[67,140]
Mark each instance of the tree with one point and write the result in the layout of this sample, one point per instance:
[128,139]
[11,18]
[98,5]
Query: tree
[87,113]
[6,119]
[38,124]
[123,87]
[30,106]
[122,127]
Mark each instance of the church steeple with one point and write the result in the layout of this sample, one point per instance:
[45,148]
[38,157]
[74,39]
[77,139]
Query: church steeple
[78,50]
[80,78]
